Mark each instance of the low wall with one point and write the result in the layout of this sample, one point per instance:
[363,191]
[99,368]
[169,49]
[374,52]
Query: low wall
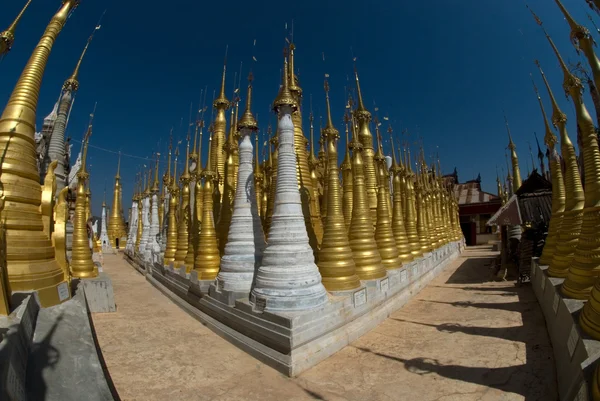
[575,353]
[292,343]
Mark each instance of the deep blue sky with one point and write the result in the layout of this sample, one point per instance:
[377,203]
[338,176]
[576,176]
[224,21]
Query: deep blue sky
[443,69]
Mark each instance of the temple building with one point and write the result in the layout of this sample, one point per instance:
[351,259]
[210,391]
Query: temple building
[475,208]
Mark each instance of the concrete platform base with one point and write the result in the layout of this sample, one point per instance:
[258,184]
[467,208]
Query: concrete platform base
[294,342]
[575,353]
[64,363]
[16,339]
[99,294]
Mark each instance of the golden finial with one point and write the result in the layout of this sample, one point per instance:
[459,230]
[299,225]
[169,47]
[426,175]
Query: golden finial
[248,121]
[549,137]
[293,80]
[186,169]
[395,166]
[570,81]
[221,100]
[284,97]
[118,175]
[174,185]
[329,131]
[72,83]
[578,32]
[360,109]
[514,159]
[82,174]
[155,184]
[7,38]
[167,176]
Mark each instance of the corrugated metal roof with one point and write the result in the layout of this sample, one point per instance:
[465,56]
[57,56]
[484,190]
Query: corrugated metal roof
[471,192]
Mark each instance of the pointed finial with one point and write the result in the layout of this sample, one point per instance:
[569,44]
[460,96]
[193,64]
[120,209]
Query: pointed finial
[167,176]
[284,97]
[221,100]
[72,83]
[291,75]
[7,38]
[558,117]
[570,81]
[155,183]
[248,121]
[578,32]
[186,163]
[549,137]
[82,174]
[395,166]
[361,111]
[329,131]
[511,145]
[118,175]
[174,181]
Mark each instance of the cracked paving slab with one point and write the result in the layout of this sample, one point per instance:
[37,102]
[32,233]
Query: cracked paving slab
[461,338]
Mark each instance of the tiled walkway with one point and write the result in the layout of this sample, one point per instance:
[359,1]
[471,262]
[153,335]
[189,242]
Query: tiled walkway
[463,338]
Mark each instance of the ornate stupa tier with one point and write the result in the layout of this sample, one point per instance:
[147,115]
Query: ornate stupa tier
[314,225]
[31,261]
[363,118]
[558,188]
[361,234]
[336,262]
[56,147]
[574,196]
[221,104]
[288,278]
[246,240]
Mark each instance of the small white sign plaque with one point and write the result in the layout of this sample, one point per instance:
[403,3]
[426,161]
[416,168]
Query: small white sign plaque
[360,297]
[385,284]
[63,291]
[403,275]
[572,341]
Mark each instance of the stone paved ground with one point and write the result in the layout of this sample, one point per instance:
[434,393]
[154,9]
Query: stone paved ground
[463,338]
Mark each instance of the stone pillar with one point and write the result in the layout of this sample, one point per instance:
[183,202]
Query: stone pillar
[288,278]
[246,240]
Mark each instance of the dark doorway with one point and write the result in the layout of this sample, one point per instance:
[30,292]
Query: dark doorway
[470,233]
[117,242]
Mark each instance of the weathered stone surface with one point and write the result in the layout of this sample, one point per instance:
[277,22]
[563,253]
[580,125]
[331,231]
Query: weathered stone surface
[63,363]
[16,337]
[99,294]
[575,353]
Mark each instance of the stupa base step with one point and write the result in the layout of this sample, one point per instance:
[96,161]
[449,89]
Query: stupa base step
[576,354]
[294,342]
[98,293]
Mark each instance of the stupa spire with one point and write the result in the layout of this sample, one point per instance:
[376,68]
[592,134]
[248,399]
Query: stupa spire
[7,38]
[336,263]
[72,83]
[28,244]
[514,159]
